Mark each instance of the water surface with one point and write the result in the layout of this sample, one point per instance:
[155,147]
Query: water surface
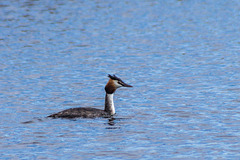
[182,57]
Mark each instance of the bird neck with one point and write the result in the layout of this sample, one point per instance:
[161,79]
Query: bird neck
[109,105]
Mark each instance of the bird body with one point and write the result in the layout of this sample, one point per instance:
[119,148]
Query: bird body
[112,85]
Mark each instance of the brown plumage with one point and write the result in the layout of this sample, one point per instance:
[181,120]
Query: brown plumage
[110,87]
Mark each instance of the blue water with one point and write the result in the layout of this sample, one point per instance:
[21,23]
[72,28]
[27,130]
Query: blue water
[181,56]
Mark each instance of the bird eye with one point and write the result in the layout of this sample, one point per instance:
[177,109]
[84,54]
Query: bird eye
[119,82]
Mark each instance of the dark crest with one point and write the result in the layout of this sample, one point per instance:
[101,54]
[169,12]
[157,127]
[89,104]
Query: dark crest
[113,77]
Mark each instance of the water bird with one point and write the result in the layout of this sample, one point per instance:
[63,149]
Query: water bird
[112,85]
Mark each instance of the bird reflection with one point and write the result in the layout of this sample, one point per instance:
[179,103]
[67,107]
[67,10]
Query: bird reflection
[112,123]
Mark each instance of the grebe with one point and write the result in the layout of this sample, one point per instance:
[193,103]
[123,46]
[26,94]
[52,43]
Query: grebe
[113,83]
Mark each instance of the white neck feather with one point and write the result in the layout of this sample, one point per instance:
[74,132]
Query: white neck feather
[109,105]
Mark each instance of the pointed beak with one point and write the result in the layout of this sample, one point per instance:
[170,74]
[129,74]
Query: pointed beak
[126,85]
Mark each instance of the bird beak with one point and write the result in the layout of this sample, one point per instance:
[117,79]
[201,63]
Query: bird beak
[126,85]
